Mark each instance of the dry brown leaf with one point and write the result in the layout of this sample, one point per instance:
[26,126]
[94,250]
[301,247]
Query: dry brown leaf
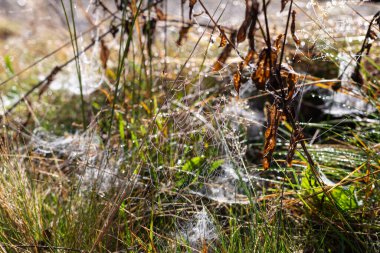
[218,65]
[183,34]
[291,83]
[293,29]
[149,29]
[223,38]
[290,78]
[242,32]
[160,14]
[237,76]
[262,71]
[296,137]
[252,27]
[277,42]
[273,120]
[357,76]
[267,59]
[372,35]
[191,6]
[104,54]
[249,57]
[283,4]
[237,81]
[367,44]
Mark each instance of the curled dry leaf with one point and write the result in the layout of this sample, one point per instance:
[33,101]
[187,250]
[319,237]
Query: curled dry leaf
[267,58]
[249,57]
[290,78]
[237,80]
[249,23]
[252,27]
[367,44]
[291,83]
[296,137]
[277,42]
[30,108]
[223,38]
[373,35]
[182,7]
[218,65]
[293,29]
[104,54]
[242,32]
[273,120]
[183,34]
[312,51]
[283,4]
[241,66]
[357,77]
[191,6]
[149,30]
[160,14]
